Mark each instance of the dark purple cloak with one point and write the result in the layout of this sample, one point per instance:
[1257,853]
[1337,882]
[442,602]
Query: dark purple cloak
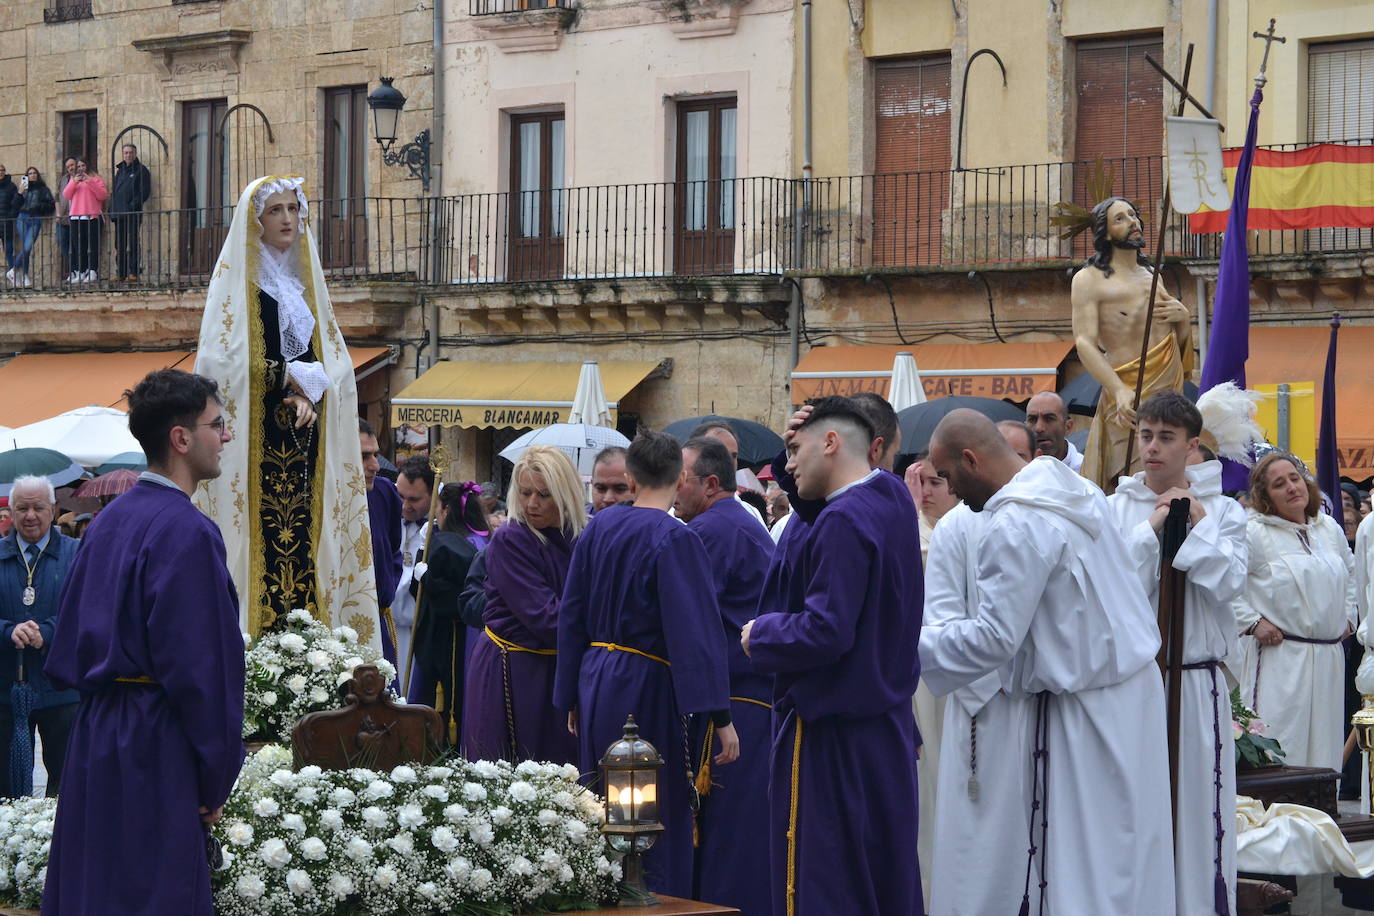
[846,667]
[641,579]
[732,851]
[524,585]
[384,519]
[149,595]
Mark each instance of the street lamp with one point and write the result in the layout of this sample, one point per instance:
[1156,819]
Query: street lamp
[386,102]
[629,771]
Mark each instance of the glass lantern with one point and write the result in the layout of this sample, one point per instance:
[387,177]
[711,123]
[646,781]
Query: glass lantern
[1363,721]
[629,772]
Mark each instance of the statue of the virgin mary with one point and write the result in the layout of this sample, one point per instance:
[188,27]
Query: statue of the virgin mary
[291,501]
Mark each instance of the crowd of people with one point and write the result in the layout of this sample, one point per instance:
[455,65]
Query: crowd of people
[80,207]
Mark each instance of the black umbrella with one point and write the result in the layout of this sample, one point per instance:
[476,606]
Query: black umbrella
[21,748]
[918,423]
[1080,395]
[757,443]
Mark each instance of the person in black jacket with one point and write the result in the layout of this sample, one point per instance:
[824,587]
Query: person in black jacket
[36,206]
[441,635]
[133,184]
[9,209]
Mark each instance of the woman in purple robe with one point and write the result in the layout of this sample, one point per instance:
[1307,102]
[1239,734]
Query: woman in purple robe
[508,708]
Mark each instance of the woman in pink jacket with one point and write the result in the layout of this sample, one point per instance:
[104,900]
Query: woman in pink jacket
[87,194]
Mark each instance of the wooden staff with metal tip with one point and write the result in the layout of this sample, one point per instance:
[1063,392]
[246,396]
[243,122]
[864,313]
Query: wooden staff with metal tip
[1154,278]
[438,463]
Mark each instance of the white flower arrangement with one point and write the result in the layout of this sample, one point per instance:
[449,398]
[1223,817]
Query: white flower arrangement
[417,840]
[297,670]
[25,835]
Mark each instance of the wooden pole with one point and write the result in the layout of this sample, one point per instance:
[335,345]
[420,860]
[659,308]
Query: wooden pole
[1154,279]
[1172,598]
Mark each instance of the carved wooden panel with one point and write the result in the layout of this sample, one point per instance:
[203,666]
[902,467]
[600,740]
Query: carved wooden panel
[372,731]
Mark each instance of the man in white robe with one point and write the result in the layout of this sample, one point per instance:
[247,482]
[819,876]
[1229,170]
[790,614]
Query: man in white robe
[1213,557]
[1059,607]
[979,819]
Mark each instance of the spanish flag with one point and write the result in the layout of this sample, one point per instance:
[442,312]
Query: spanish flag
[1326,185]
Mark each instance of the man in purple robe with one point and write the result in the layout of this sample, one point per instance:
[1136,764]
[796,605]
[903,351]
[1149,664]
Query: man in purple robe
[384,519]
[843,795]
[148,633]
[732,851]
[639,634]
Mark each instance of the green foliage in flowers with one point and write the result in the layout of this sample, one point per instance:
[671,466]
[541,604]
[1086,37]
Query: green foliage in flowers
[1253,747]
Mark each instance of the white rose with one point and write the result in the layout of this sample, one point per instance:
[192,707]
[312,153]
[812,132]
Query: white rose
[548,817]
[341,886]
[347,635]
[269,698]
[331,819]
[298,881]
[318,695]
[343,678]
[473,792]
[375,817]
[23,871]
[250,887]
[480,880]
[239,833]
[500,815]
[296,684]
[550,860]
[352,662]
[455,813]
[318,659]
[428,890]
[564,800]
[266,807]
[299,615]
[458,869]
[385,876]
[307,795]
[486,769]
[402,844]
[274,853]
[576,830]
[522,791]
[438,774]
[444,839]
[438,793]
[565,873]
[410,816]
[520,867]
[603,865]
[570,772]
[282,778]
[342,798]
[292,642]
[403,774]
[482,834]
[358,849]
[313,849]
[527,768]
[310,772]
[378,789]
[295,823]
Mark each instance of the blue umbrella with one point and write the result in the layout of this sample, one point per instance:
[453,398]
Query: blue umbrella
[40,462]
[21,748]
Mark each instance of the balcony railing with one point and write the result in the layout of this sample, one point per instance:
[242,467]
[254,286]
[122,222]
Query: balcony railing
[490,7]
[996,218]
[358,238]
[67,12]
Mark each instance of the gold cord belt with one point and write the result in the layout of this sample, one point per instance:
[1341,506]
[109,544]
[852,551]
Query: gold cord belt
[508,646]
[612,647]
[138,679]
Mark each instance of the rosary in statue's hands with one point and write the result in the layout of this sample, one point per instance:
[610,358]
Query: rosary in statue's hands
[305,411]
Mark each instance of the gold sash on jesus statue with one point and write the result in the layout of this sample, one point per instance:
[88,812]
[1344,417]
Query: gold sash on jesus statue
[1104,459]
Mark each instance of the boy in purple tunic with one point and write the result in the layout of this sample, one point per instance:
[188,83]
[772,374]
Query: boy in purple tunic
[639,634]
[732,851]
[384,519]
[148,632]
[843,795]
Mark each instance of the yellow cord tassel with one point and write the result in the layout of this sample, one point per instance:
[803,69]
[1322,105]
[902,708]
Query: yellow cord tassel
[703,781]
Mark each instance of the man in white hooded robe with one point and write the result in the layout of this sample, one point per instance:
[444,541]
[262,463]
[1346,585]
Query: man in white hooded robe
[1060,608]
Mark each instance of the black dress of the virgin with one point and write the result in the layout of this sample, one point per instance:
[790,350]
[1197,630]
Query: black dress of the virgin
[290,484]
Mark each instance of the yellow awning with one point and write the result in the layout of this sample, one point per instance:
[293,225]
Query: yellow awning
[492,395]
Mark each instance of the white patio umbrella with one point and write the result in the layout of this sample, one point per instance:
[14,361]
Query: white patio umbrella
[906,389]
[589,402]
[90,436]
[7,439]
[579,441]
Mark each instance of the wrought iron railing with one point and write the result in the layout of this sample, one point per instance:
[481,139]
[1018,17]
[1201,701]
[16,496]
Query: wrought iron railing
[996,218]
[67,12]
[489,7]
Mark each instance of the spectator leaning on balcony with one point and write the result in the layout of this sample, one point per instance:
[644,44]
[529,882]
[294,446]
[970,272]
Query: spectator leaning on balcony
[36,206]
[87,194]
[9,209]
[133,184]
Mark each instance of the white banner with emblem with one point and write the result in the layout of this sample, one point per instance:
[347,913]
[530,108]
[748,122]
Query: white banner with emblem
[1196,177]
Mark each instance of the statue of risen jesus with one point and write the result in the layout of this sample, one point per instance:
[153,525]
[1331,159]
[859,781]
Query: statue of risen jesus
[1110,298]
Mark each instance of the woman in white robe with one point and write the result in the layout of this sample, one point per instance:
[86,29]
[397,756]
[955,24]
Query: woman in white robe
[290,501]
[1299,604]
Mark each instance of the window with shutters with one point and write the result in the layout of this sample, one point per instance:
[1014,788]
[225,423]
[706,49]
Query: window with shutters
[205,195]
[79,138]
[705,192]
[1340,108]
[537,196]
[912,158]
[1120,119]
[342,226]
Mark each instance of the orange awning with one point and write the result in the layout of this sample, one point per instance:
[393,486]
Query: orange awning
[41,385]
[1279,355]
[1013,371]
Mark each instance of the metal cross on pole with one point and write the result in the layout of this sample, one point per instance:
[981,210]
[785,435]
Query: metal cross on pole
[1268,37]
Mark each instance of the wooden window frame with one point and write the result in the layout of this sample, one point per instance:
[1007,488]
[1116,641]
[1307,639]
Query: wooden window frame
[710,249]
[538,256]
